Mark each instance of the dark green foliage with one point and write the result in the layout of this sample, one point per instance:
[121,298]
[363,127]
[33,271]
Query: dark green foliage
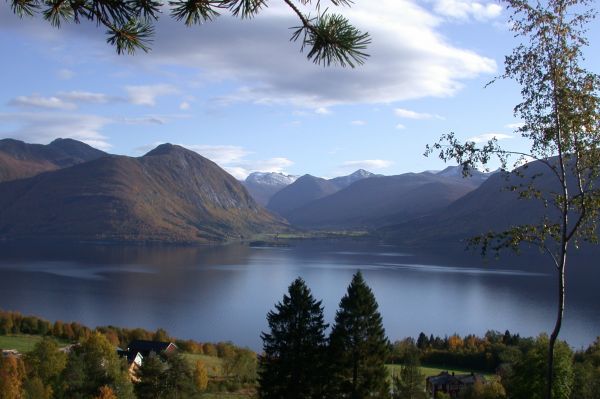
[359,346]
[528,377]
[44,365]
[95,364]
[150,385]
[332,39]
[178,378]
[293,364]
[241,365]
[409,383]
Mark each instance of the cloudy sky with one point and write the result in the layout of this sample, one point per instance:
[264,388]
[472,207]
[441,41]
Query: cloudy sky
[241,94]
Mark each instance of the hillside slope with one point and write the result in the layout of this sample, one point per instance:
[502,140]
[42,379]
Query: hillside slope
[169,195]
[20,160]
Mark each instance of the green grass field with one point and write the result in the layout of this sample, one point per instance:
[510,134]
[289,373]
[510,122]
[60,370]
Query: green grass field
[429,371]
[22,343]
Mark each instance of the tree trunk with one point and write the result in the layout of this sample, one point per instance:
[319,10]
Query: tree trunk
[558,324]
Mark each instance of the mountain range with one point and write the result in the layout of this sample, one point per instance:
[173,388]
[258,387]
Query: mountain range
[171,194]
[19,159]
[67,190]
[262,186]
[493,206]
[377,201]
[309,188]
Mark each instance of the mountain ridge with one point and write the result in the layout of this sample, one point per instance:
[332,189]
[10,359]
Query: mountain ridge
[170,194]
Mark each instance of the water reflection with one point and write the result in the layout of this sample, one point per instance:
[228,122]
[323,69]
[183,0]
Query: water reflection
[224,293]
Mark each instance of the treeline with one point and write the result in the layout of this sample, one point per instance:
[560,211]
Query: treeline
[49,372]
[485,354]
[16,323]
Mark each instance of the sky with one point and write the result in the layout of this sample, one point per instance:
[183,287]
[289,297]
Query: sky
[241,94]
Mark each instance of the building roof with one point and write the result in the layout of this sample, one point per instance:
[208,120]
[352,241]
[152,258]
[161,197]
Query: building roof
[445,378]
[147,347]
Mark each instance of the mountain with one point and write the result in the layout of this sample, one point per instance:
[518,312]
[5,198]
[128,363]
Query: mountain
[344,181]
[168,195]
[305,189]
[382,200]
[308,188]
[262,186]
[20,160]
[490,207]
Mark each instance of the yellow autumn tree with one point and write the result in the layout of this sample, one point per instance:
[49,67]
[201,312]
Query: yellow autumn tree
[12,373]
[106,392]
[201,376]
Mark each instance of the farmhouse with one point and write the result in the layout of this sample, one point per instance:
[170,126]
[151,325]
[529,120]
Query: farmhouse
[139,349]
[452,384]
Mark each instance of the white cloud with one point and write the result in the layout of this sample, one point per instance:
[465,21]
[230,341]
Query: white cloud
[367,164]
[87,97]
[184,105]
[65,74]
[221,154]
[400,126]
[37,101]
[408,114]
[322,111]
[146,120]
[147,95]
[409,56]
[45,127]
[463,10]
[484,138]
[515,126]
[358,123]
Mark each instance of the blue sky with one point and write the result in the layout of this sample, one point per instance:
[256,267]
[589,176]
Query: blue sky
[241,94]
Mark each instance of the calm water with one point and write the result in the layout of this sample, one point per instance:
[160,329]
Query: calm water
[224,293]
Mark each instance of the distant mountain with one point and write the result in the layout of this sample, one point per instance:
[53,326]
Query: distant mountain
[383,200]
[309,188]
[344,181]
[20,160]
[262,186]
[168,195]
[490,207]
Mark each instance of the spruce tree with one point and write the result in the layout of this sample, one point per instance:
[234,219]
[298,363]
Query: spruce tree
[292,365]
[409,383]
[359,346]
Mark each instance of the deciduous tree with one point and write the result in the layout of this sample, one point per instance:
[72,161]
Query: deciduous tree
[201,376]
[12,374]
[560,111]
[527,379]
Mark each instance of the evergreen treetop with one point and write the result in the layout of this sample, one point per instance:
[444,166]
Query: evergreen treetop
[359,345]
[292,365]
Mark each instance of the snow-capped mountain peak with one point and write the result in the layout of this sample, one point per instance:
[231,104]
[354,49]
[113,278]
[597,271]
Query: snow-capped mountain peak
[271,178]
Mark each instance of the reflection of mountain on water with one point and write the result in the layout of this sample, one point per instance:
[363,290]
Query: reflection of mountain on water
[218,293]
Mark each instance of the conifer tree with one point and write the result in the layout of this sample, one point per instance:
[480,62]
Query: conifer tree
[359,346]
[150,374]
[409,383]
[330,38]
[292,365]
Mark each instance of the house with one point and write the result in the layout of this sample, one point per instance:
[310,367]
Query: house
[10,352]
[452,384]
[145,348]
[140,349]
[134,362]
